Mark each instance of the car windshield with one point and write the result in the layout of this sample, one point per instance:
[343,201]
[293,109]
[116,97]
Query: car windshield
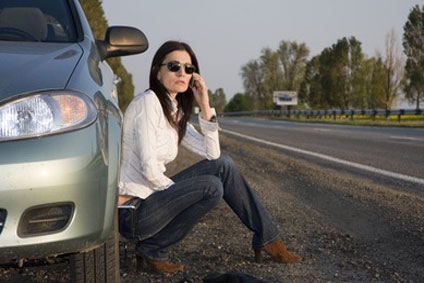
[36,20]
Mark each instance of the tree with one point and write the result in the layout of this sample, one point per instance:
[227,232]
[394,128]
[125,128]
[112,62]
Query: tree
[239,102]
[360,84]
[340,73]
[254,84]
[310,91]
[328,79]
[413,43]
[293,57]
[375,83]
[273,75]
[98,23]
[394,69]
[352,58]
[217,100]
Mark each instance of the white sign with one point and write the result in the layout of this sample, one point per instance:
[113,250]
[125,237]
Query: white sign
[285,98]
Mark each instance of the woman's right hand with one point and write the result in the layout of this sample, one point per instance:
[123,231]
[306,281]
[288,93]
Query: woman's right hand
[200,92]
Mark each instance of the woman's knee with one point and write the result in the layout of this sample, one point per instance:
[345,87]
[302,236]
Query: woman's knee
[214,189]
[225,161]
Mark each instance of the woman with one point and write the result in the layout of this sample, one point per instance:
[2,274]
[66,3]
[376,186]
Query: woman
[155,123]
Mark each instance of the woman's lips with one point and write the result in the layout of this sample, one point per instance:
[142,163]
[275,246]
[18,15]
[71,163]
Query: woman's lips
[180,82]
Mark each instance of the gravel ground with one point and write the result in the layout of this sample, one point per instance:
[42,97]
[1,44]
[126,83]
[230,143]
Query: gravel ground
[348,229]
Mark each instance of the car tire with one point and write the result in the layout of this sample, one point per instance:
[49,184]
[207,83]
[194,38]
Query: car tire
[100,265]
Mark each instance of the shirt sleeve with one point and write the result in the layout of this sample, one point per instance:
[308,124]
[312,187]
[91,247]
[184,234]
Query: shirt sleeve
[145,136]
[205,144]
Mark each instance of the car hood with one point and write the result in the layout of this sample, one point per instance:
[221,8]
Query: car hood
[34,66]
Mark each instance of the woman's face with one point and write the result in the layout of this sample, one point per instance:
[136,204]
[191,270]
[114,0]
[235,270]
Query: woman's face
[175,82]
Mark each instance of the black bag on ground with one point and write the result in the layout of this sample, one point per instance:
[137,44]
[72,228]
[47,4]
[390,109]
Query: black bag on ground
[232,277]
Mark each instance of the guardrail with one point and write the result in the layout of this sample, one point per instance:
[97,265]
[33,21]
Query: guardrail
[332,113]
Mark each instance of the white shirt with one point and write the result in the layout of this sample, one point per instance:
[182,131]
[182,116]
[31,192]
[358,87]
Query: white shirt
[150,142]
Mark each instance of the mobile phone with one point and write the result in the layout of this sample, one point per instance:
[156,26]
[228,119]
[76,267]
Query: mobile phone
[192,81]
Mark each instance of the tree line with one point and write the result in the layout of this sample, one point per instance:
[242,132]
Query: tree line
[341,76]
[95,15]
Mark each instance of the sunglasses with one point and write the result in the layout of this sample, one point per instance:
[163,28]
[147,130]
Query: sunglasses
[174,66]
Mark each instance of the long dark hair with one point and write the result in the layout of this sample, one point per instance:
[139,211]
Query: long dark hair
[185,100]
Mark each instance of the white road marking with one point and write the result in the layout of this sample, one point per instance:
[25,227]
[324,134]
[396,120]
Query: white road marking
[333,159]
[321,130]
[406,138]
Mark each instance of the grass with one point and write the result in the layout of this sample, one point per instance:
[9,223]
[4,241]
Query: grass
[413,121]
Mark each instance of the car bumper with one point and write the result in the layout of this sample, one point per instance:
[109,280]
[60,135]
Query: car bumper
[67,169]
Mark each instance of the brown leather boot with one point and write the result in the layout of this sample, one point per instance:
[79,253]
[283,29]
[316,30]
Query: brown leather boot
[157,266]
[278,252]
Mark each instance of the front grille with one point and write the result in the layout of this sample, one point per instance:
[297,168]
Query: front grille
[46,219]
[3,214]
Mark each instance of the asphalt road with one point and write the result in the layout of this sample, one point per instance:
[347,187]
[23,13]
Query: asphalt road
[399,152]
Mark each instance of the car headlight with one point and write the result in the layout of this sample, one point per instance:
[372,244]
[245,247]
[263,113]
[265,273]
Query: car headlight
[45,113]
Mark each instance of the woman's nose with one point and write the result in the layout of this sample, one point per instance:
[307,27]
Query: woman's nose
[181,72]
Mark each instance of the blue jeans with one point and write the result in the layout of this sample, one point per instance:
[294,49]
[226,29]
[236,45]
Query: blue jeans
[166,217]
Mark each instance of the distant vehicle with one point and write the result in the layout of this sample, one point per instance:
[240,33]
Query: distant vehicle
[60,134]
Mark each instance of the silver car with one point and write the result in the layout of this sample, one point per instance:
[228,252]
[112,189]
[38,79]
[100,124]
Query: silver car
[60,134]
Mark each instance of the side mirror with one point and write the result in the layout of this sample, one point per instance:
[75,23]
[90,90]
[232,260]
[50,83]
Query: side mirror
[122,41]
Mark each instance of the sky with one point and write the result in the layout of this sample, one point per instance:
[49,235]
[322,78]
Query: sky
[226,34]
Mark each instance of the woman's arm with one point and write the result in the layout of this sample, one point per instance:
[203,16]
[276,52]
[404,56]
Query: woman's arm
[206,145]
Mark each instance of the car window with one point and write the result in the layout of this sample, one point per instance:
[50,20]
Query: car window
[36,20]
